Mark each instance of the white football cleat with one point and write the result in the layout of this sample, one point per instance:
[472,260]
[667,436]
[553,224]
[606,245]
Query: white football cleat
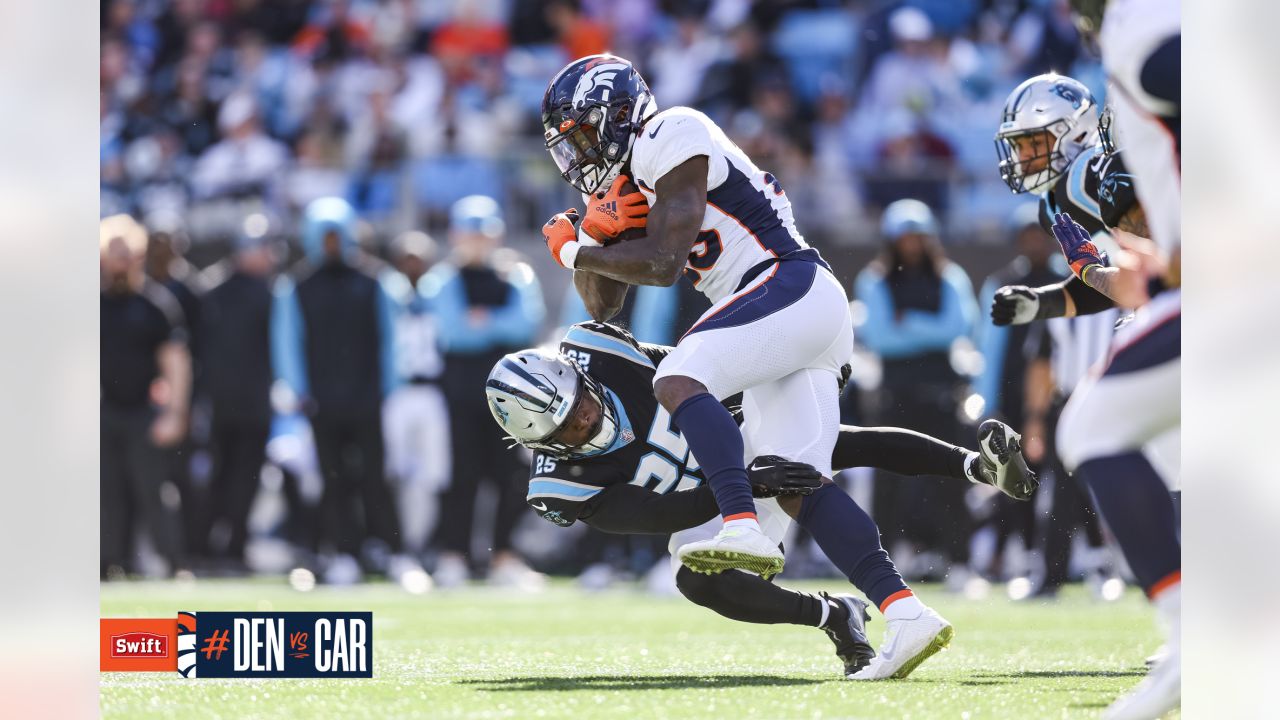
[1161,690]
[734,548]
[907,643]
[1157,694]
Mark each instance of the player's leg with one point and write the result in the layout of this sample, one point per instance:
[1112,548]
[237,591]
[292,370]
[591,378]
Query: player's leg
[797,417]
[747,597]
[788,319]
[1105,448]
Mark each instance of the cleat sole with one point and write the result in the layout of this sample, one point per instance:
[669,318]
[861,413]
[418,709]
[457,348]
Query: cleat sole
[940,642]
[710,562]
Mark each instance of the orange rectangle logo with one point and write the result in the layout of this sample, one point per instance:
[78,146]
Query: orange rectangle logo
[137,644]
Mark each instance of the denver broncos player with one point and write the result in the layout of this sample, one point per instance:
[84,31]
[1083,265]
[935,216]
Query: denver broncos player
[779,328]
[1141,43]
[606,453]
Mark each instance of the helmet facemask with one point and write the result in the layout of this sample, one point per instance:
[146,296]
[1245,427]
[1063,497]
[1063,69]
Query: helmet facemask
[601,434]
[1052,162]
[583,148]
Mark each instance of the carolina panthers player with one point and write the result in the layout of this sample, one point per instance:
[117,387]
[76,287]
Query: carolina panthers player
[607,453]
[1103,448]
[1049,142]
[779,328]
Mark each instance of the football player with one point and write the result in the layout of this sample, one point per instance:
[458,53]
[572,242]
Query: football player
[607,453]
[1104,449]
[779,327]
[1141,43]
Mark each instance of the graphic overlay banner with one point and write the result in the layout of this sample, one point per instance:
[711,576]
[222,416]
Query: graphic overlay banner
[278,645]
[241,644]
[137,645]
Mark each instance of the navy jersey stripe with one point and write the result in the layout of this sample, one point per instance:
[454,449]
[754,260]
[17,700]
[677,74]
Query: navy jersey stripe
[749,205]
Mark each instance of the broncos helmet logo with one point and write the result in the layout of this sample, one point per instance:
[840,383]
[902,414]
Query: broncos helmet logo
[596,82]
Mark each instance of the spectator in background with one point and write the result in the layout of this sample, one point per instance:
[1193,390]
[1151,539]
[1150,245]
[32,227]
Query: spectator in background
[577,34]
[1044,39]
[246,165]
[1004,347]
[332,31]
[377,147]
[236,378]
[680,60]
[332,336]
[415,415]
[488,304]
[467,42]
[918,304]
[730,82]
[166,265]
[1004,350]
[145,388]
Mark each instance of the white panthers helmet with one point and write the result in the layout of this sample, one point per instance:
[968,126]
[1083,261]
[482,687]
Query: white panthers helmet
[533,393]
[1058,105]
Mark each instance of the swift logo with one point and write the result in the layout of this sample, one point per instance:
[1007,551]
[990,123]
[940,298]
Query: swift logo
[139,645]
[655,130]
[539,506]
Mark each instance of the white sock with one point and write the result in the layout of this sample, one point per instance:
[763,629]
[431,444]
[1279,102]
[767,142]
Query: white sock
[747,523]
[1168,604]
[907,607]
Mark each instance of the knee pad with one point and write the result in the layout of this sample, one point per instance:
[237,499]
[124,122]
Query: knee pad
[697,588]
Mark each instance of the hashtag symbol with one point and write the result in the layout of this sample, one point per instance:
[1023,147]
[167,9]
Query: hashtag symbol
[215,643]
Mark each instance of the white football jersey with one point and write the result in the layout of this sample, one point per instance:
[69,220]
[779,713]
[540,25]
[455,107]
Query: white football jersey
[1146,125]
[748,217]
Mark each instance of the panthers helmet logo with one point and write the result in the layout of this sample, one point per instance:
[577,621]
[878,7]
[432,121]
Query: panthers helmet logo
[1068,93]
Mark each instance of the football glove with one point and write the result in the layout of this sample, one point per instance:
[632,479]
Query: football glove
[1080,252]
[560,233]
[615,211]
[773,476]
[1015,305]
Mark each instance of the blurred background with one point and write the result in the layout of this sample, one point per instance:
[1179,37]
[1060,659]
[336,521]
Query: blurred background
[297,392]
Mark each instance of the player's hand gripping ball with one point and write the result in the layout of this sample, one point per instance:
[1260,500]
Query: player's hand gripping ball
[619,213]
[560,233]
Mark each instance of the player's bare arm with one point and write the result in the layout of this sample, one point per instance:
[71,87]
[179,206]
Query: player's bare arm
[602,296]
[674,222]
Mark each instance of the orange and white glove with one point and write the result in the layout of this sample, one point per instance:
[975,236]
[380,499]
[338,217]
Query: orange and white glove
[613,212]
[561,234]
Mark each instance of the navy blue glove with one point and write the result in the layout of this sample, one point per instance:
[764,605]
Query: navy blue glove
[1077,246]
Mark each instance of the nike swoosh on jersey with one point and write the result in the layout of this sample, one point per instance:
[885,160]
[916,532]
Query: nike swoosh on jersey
[655,130]
[540,507]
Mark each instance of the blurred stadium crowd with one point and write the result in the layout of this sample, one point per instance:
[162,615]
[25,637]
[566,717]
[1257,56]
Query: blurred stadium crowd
[261,414]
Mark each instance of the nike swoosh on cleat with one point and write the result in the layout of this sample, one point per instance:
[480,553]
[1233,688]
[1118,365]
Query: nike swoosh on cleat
[540,507]
[655,130]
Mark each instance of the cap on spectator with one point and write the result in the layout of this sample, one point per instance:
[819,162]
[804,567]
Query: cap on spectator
[124,227]
[236,110]
[907,216]
[413,243]
[254,232]
[478,214]
[910,24]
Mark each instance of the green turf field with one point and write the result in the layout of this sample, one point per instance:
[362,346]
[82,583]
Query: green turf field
[479,653]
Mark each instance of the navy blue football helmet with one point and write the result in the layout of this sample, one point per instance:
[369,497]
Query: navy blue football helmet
[591,114]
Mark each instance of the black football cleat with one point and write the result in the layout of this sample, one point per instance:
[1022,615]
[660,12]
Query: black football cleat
[849,634]
[1000,461]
